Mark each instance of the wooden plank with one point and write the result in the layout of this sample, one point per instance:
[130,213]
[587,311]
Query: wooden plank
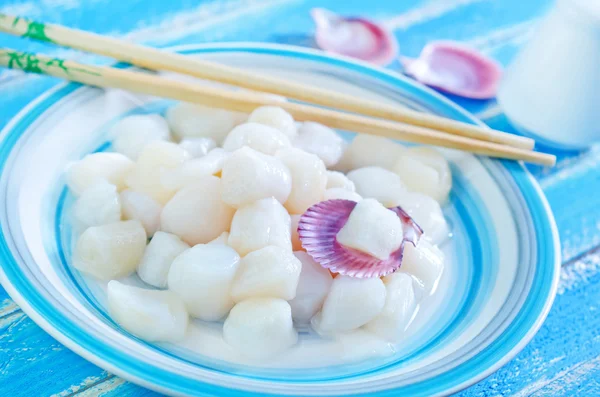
[583,380]
[127,389]
[32,363]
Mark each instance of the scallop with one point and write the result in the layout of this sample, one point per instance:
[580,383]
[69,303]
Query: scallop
[309,179]
[271,272]
[399,309]
[196,213]
[202,276]
[257,225]
[162,155]
[110,251]
[198,147]
[222,239]
[98,204]
[132,133]
[313,286]
[425,170]
[373,229]
[196,121]
[336,179]
[379,184]
[428,215]
[141,207]
[350,304]
[249,175]
[425,262]
[154,267]
[296,243]
[275,117]
[260,328]
[321,141]
[338,193]
[191,170]
[260,137]
[154,316]
[93,168]
[156,159]
[368,150]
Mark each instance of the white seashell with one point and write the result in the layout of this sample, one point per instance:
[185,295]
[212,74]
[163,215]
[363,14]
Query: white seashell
[98,204]
[275,117]
[313,287]
[141,207]
[399,308]
[156,159]
[260,328]
[198,147]
[373,229]
[271,272]
[249,175]
[196,121]
[193,169]
[425,170]
[321,141]
[425,262]
[160,253]
[196,213]
[308,179]
[262,223]
[336,179]
[260,137]
[202,276]
[296,243]
[154,316]
[96,167]
[428,215]
[350,303]
[132,133]
[368,150]
[379,184]
[110,251]
[337,193]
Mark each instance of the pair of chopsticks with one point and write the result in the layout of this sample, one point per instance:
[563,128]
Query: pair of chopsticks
[369,116]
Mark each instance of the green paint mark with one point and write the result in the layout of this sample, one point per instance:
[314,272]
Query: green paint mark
[30,63]
[60,63]
[26,62]
[16,21]
[37,31]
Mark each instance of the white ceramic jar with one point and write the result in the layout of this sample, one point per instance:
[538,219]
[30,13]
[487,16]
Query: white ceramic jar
[552,89]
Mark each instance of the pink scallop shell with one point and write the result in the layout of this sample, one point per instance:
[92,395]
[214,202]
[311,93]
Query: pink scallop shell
[319,226]
[455,69]
[354,37]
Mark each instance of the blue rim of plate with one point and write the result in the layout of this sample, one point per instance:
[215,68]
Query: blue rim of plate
[497,353]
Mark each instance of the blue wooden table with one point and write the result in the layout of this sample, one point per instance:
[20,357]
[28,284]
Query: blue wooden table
[562,360]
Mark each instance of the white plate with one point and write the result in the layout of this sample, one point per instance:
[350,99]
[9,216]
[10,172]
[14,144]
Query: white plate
[495,294]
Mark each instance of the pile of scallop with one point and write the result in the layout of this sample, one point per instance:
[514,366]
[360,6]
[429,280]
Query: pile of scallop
[204,204]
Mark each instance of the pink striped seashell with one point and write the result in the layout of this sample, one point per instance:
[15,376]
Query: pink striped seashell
[455,69]
[354,37]
[319,226]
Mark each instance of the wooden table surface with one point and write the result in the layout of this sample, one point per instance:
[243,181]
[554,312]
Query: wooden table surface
[564,357]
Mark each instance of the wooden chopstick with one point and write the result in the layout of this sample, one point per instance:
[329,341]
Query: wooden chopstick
[156,59]
[248,101]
